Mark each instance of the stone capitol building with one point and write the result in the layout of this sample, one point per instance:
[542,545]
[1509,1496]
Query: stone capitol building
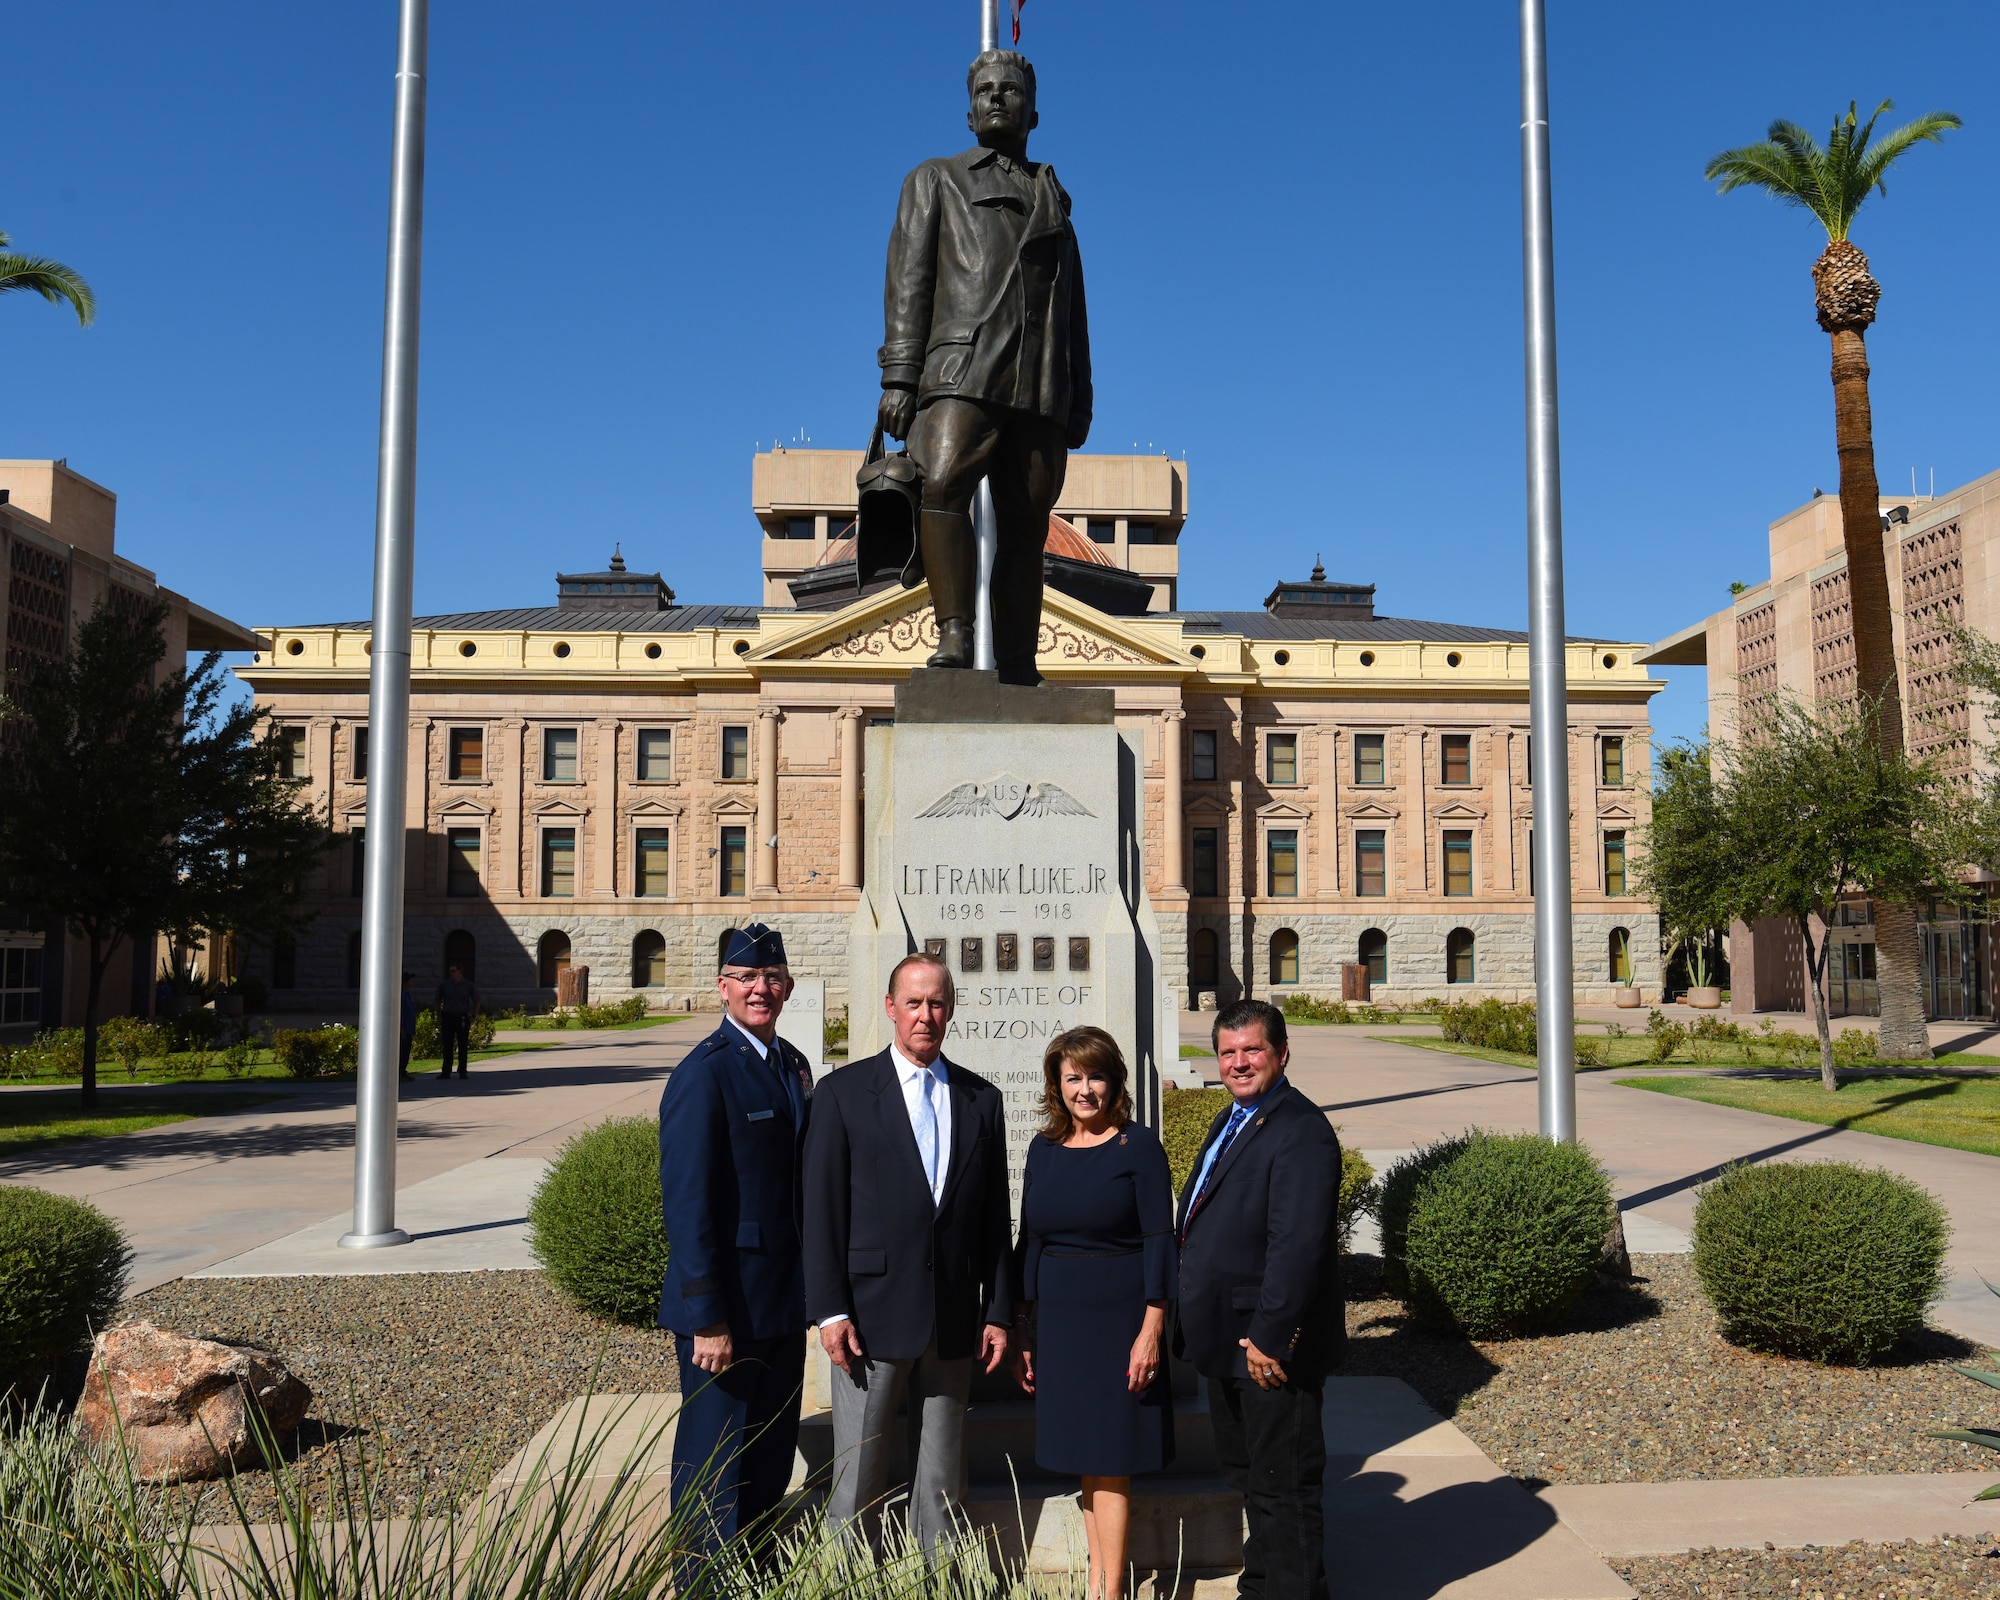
[617,778]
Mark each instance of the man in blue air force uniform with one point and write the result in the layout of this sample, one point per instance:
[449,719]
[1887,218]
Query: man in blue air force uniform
[732,1123]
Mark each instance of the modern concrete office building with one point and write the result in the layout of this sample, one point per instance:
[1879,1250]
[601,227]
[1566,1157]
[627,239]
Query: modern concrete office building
[58,548]
[612,776]
[1793,635]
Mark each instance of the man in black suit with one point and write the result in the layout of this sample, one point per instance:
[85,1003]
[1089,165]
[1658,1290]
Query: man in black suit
[907,1252]
[1261,1313]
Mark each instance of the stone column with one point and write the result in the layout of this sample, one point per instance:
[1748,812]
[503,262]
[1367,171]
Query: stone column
[507,858]
[1417,841]
[607,809]
[1329,811]
[849,720]
[1501,788]
[1172,828]
[417,811]
[765,852]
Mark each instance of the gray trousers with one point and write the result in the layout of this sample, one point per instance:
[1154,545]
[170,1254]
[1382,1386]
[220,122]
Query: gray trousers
[864,1422]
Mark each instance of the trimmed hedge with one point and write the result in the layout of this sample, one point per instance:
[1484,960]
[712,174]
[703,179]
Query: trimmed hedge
[63,1267]
[594,1220]
[316,1052]
[1823,1260]
[1496,1234]
[1185,1117]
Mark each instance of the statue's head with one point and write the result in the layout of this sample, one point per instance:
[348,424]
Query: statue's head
[1002,86]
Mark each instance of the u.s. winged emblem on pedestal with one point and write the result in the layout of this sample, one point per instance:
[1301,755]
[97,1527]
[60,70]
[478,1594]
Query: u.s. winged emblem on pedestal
[1007,798]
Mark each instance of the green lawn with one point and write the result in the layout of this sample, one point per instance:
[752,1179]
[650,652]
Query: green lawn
[1190,1051]
[1637,1051]
[546,1025]
[1959,1113]
[262,1069]
[30,1120]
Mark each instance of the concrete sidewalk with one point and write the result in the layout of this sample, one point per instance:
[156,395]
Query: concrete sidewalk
[1657,1148]
[193,1194]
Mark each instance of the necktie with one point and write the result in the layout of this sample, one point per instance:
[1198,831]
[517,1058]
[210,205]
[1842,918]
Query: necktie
[1237,1118]
[927,1131]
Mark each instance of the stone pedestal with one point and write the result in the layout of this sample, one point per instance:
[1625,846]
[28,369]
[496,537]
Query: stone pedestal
[1004,832]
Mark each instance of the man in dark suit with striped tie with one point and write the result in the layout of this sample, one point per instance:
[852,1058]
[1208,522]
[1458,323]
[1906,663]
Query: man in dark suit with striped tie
[1261,1312]
[732,1127]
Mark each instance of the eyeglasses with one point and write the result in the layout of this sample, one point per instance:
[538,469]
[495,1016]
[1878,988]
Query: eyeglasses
[757,980]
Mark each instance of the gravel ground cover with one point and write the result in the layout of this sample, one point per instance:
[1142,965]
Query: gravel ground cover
[440,1376]
[1638,1386]
[1949,1569]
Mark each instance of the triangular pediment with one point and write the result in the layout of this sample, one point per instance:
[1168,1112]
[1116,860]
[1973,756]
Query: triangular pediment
[654,808]
[1458,811]
[1616,813]
[734,806]
[896,628]
[558,809]
[1283,811]
[1374,811]
[465,806]
[1207,805]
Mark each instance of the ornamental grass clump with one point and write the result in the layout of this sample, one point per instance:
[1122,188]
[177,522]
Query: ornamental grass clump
[63,1266]
[1496,1234]
[1823,1260]
[594,1220]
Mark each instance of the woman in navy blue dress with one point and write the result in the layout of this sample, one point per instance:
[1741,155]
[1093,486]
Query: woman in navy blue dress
[1097,1268]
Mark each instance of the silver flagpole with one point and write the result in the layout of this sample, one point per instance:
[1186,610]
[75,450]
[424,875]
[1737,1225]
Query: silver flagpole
[389,664]
[1548,696]
[985,529]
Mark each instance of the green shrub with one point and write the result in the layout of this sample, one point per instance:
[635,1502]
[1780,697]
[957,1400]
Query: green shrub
[594,1220]
[57,1053]
[480,1034]
[1819,1259]
[195,1028]
[1496,1234]
[833,1035]
[614,1014]
[1855,1047]
[63,1266]
[1185,1118]
[131,1040]
[1491,1025]
[1591,1051]
[424,1044]
[1305,1008]
[316,1052]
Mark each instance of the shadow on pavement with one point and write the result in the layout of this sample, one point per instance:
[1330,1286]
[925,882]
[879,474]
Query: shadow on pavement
[1515,1080]
[1389,1548]
[199,1141]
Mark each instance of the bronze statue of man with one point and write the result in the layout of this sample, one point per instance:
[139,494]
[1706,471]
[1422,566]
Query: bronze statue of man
[986,360]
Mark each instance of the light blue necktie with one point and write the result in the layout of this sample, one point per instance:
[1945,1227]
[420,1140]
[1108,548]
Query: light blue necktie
[927,1131]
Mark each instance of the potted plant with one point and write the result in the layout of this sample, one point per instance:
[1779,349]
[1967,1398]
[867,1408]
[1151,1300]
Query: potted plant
[1701,994]
[1626,995]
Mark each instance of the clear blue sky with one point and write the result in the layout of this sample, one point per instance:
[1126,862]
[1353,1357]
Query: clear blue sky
[655,238]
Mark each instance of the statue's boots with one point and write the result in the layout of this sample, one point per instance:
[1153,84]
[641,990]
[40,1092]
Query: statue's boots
[1017,610]
[951,562]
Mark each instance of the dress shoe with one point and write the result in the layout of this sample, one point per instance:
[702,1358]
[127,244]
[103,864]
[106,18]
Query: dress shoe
[954,645]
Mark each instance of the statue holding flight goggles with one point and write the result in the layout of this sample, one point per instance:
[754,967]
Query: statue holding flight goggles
[985,370]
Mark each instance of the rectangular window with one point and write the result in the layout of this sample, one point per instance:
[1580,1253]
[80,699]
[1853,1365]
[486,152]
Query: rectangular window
[559,755]
[1458,862]
[1207,875]
[465,754]
[1141,532]
[1456,749]
[21,983]
[1614,763]
[1371,862]
[291,742]
[1103,530]
[1281,856]
[1614,863]
[799,528]
[1281,758]
[461,863]
[284,962]
[1201,756]
[1369,763]
[656,755]
[735,863]
[357,861]
[360,763]
[655,861]
[559,863]
[736,752]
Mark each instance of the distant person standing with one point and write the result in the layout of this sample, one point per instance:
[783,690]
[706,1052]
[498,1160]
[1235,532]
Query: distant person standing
[1261,1313]
[407,1034]
[1097,1270]
[732,1124]
[457,1005]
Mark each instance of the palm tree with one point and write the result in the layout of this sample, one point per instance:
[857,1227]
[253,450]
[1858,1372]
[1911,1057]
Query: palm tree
[1832,182]
[50,279]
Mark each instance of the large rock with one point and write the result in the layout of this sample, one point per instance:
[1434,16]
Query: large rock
[185,1405]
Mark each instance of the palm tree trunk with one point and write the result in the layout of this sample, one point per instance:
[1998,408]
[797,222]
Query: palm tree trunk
[1899,976]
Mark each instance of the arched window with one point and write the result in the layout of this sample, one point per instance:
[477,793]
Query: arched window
[552,956]
[462,952]
[649,961]
[1284,956]
[1621,955]
[1204,965]
[1374,954]
[1458,956]
[354,959]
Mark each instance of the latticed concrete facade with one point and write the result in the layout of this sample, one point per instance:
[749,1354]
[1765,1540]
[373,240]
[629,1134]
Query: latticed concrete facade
[620,787]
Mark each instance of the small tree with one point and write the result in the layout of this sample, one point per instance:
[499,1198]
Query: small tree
[1679,867]
[1812,807]
[132,802]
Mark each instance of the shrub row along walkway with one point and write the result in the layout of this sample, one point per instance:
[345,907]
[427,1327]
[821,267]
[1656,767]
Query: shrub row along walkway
[1657,1148]
[196,1193]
